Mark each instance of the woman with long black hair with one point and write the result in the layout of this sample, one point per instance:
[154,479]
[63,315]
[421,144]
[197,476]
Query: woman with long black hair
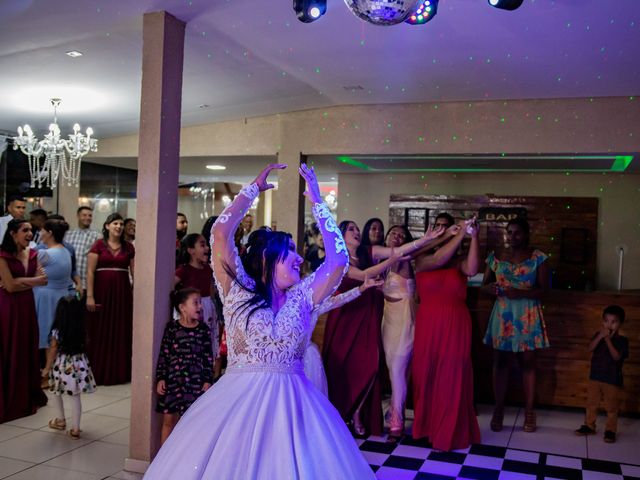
[263,418]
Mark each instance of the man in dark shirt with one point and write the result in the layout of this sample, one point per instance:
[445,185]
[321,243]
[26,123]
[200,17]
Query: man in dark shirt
[605,380]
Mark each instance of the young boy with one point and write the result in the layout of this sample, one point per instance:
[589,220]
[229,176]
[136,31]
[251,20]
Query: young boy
[609,351]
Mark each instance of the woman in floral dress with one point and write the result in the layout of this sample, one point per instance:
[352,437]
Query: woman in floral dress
[516,327]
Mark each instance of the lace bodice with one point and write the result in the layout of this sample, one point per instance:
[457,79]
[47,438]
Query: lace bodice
[266,339]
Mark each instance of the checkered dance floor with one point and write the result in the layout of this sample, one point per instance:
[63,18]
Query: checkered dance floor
[412,459]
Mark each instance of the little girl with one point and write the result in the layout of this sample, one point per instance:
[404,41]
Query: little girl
[67,365]
[194,272]
[185,362]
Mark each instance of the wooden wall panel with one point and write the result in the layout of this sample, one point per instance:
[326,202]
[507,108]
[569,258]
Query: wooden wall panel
[547,216]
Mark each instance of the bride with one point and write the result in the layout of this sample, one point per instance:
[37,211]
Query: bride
[264,419]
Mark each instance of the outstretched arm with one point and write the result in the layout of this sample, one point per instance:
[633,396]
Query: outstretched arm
[329,275]
[336,301]
[378,269]
[223,250]
[427,263]
[380,253]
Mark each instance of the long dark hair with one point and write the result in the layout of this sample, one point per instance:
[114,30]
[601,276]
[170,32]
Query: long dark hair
[189,241]
[366,241]
[8,244]
[69,322]
[363,251]
[57,228]
[275,249]
[206,229]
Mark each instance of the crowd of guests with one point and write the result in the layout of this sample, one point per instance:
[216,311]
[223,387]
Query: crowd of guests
[65,309]
[399,314]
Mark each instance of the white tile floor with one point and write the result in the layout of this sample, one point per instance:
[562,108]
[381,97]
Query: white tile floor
[29,450]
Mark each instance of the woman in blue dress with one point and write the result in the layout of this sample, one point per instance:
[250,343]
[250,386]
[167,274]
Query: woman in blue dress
[56,262]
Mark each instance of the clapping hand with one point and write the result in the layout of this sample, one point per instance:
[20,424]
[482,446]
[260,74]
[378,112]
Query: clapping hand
[313,190]
[261,179]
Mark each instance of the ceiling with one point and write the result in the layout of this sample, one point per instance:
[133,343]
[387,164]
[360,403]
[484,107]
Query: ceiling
[246,58]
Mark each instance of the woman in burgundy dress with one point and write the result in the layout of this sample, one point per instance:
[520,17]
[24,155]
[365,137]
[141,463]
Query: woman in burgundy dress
[352,346]
[20,392]
[441,371]
[110,304]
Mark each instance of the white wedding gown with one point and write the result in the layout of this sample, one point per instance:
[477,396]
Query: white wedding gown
[263,419]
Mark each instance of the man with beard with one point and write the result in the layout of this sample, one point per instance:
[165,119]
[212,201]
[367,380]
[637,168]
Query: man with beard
[182,224]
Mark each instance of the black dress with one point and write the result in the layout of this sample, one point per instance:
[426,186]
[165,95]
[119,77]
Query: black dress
[185,363]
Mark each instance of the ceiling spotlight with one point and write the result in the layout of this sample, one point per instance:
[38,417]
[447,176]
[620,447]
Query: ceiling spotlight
[216,167]
[426,10]
[309,11]
[506,4]
[74,53]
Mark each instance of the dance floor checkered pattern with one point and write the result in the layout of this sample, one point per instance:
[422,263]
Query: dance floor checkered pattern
[415,460]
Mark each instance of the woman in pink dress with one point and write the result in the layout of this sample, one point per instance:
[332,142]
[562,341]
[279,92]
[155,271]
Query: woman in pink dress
[110,304]
[441,369]
[20,392]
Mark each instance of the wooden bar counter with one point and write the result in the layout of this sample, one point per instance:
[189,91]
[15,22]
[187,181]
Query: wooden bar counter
[572,317]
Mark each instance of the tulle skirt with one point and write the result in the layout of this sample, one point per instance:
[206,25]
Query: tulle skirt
[268,424]
[314,370]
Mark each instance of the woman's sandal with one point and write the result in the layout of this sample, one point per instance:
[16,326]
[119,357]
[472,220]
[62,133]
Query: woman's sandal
[57,424]
[75,434]
[395,435]
[496,422]
[529,422]
[358,427]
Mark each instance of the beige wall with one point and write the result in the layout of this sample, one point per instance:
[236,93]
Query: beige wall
[580,125]
[619,205]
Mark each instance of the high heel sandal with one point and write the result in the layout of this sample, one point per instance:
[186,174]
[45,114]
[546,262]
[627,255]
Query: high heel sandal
[396,426]
[75,434]
[57,424]
[529,422]
[496,422]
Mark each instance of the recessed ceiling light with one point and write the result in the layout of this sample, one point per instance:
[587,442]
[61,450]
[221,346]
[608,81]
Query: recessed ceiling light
[203,105]
[216,167]
[74,53]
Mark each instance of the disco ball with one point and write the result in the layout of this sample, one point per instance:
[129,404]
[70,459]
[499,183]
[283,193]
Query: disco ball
[382,12]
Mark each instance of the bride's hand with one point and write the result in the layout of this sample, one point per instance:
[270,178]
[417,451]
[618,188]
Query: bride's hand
[313,190]
[261,179]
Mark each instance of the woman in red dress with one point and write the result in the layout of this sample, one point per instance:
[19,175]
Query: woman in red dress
[20,392]
[352,346]
[110,304]
[441,371]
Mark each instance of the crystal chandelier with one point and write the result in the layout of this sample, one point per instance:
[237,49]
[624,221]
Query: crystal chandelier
[55,156]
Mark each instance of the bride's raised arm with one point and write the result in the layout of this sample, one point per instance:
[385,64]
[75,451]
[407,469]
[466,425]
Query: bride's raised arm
[329,275]
[224,254]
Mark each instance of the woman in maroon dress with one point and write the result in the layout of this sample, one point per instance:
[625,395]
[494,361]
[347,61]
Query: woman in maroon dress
[352,346]
[110,304]
[20,392]
[441,371]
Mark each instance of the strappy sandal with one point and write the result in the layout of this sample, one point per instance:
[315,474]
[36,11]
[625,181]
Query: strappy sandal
[529,422]
[496,422]
[57,424]
[396,426]
[75,434]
